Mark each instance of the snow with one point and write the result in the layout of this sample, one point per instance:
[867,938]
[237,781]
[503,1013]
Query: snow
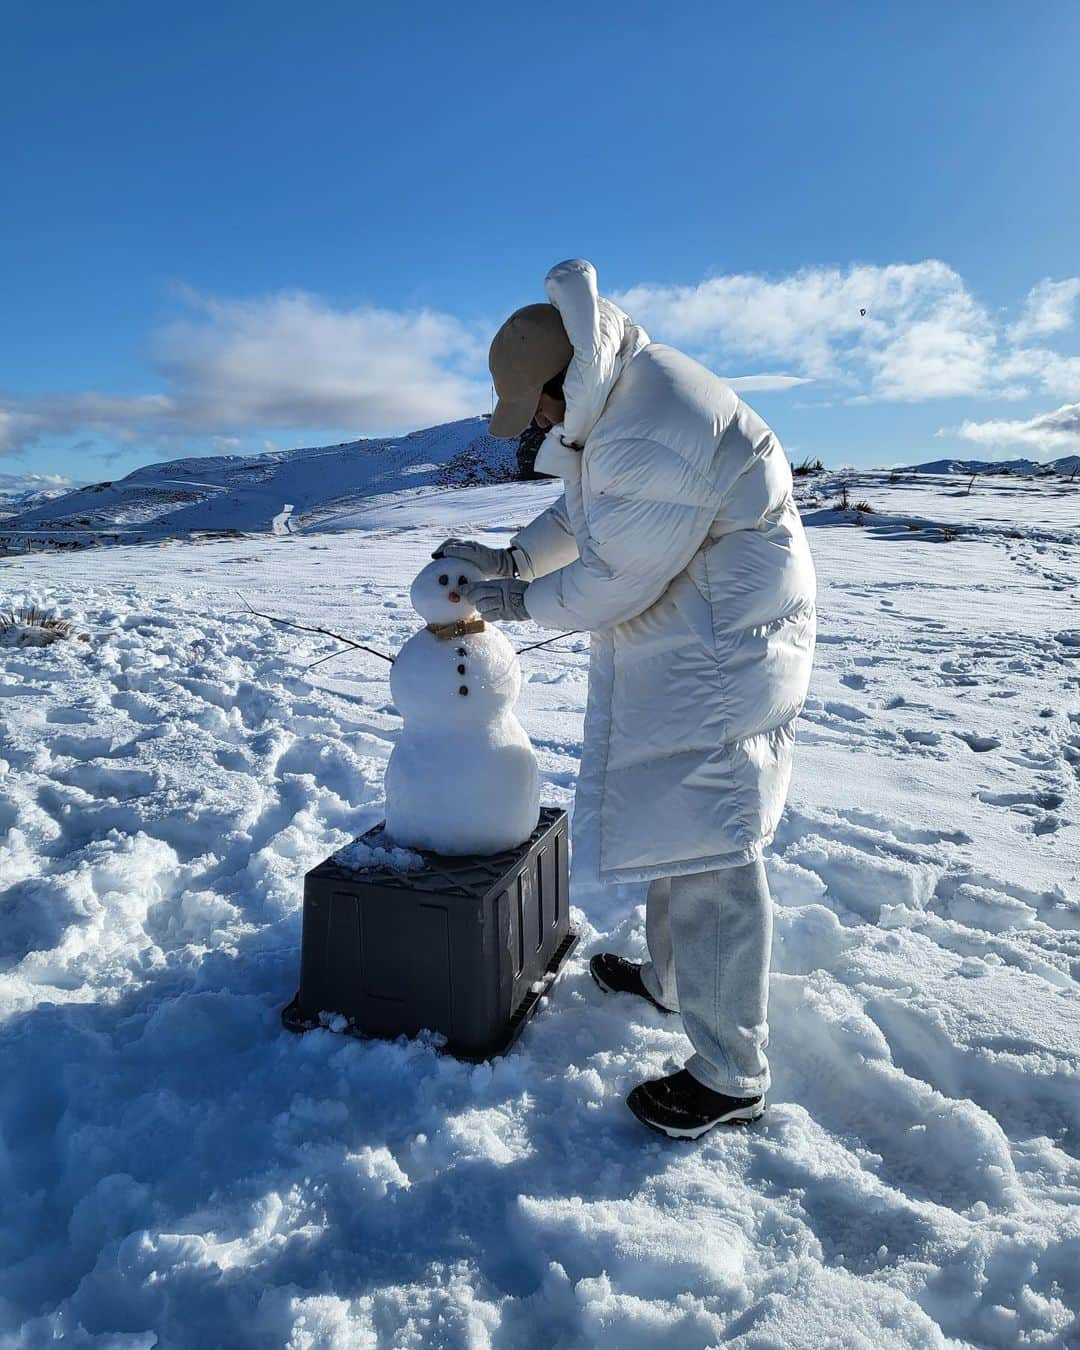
[177,1170]
[359,856]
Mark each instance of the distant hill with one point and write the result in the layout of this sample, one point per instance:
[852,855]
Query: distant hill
[279,491]
[1022,468]
[254,493]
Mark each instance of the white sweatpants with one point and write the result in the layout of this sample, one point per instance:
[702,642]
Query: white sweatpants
[710,942]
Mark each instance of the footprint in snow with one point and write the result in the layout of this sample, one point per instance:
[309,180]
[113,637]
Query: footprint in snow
[1070,638]
[69,717]
[980,744]
[957,673]
[853,681]
[1048,801]
[921,737]
[846,711]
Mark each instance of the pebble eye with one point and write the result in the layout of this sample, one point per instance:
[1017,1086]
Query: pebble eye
[463,581]
[444,580]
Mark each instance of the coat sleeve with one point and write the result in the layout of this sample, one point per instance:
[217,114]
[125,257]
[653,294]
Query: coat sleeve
[547,543]
[650,512]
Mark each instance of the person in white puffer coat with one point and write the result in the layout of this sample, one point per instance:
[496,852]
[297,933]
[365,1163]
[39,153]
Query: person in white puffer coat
[678,546]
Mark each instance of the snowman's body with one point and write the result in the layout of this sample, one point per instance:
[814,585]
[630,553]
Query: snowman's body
[462,777]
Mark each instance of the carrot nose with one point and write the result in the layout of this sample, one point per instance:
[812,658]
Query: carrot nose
[453,597]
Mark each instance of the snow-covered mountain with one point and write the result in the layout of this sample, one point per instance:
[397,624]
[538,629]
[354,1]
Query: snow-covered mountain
[1024,468]
[329,487]
[20,491]
[234,494]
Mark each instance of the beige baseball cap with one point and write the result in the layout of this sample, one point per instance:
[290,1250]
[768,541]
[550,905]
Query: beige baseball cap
[528,350]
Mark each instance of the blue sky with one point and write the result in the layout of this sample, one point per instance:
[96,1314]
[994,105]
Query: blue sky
[242,226]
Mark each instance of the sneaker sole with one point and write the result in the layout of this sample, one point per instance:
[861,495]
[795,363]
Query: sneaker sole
[741,1115]
[648,998]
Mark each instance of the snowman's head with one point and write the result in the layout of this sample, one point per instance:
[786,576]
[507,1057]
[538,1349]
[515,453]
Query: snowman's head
[436,593]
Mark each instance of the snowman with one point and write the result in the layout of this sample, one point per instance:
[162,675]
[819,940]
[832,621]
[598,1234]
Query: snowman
[462,777]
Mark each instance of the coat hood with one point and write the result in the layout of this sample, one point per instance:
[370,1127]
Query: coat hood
[604,339]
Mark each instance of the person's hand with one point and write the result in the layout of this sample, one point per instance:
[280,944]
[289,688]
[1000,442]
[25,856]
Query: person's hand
[499,599]
[491,562]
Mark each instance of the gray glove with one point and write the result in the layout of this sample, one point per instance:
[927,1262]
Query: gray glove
[492,562]
[499,599]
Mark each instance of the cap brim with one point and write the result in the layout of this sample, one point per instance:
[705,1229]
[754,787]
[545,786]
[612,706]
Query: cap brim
[513,415]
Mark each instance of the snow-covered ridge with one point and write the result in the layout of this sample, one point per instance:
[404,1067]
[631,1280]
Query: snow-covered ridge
[328,487]
[1024,468]
[275,492]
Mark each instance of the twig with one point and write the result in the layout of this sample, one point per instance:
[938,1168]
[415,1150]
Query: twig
[330,657]
[533,646]
[324,632]
[359,646]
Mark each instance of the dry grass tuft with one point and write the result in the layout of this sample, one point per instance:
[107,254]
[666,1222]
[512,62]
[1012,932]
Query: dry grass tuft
[807,466]
[33,627]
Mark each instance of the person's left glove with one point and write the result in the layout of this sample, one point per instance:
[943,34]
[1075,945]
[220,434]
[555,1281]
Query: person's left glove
[491,562]
[499,599]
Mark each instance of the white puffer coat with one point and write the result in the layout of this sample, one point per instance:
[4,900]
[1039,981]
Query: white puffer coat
[678,545]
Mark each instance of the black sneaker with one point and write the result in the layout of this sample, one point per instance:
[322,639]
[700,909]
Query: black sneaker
[616,975]
[682,1108]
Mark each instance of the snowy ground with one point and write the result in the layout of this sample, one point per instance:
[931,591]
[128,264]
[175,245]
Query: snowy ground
[176,1170]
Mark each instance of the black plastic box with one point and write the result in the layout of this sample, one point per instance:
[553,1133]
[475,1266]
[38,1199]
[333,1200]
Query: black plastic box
[465,947]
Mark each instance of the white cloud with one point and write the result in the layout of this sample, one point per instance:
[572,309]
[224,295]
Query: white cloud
[1048,309]
[907,332]
[1053,373]
[282,361]
[293,360]
[944,353]
[1046,434]
[890,326]
[16,430]
[760,382]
